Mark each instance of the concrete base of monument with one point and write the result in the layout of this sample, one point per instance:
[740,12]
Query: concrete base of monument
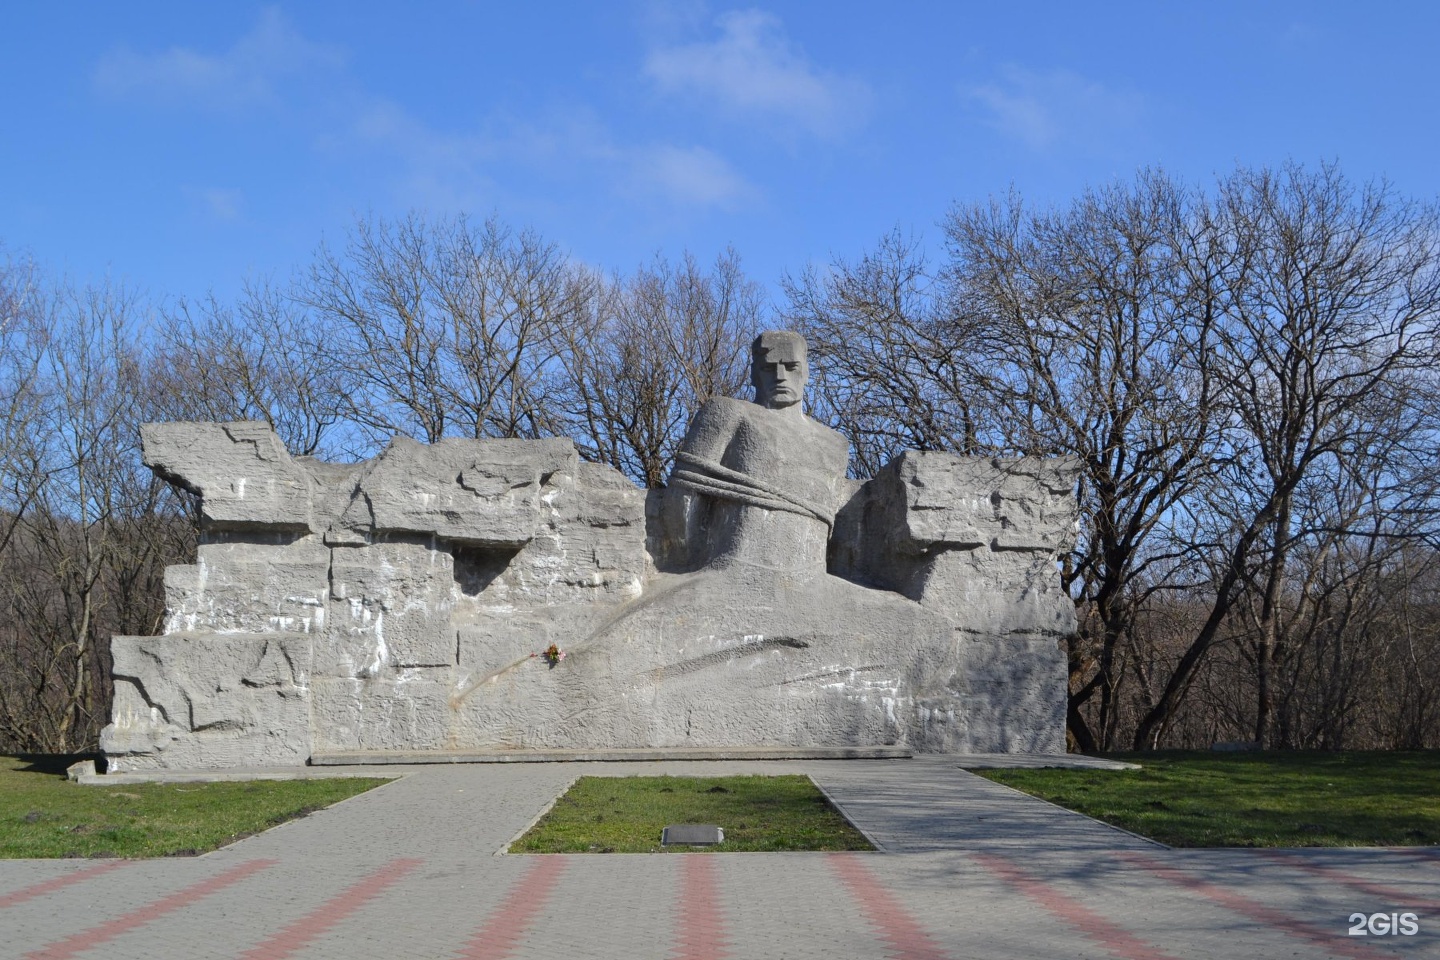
[708,661]
[726,664]
[377,757]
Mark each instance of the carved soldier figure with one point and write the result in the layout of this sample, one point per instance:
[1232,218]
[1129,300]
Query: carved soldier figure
[768,477]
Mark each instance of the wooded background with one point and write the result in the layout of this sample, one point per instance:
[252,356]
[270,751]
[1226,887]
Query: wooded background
[1247,373]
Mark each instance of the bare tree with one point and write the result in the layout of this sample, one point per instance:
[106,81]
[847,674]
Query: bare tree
[442,329]
[1405,704]
[651,348]
[259,359]
[1332,299]
[76,567]
[1082,332]
[1222,367]
[887,369]
[1089,332]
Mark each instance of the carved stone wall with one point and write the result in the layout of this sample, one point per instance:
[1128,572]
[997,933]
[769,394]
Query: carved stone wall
[403,604]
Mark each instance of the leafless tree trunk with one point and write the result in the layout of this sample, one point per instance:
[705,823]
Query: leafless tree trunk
[73,568]
[23,313]
[1331,317]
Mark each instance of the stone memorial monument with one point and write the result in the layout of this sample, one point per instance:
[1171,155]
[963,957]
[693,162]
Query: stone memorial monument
[503,599]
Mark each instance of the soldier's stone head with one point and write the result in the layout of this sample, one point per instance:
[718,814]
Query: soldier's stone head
[778,369]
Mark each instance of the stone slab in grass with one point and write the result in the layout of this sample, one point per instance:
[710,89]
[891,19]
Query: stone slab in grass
[629,815]
[692,834]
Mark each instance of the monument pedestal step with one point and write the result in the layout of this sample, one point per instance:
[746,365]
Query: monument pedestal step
[371,757]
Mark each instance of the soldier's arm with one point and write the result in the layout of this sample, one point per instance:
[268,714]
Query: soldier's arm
[713,428]
[680,511]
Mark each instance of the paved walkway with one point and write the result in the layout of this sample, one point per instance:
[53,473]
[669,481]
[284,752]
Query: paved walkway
[969,870]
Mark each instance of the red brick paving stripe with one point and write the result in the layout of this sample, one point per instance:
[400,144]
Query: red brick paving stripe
[1415,853]
[1104,933]
[110,929]
[700,934]
[525,904]
[313,924]
[887,917]
[50,886]
[1331,940]
[1396,897]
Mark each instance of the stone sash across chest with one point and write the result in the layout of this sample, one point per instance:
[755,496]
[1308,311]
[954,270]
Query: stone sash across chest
[714,479]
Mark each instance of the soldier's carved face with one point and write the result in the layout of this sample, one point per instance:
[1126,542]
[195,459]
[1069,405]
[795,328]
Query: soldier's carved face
[780,373]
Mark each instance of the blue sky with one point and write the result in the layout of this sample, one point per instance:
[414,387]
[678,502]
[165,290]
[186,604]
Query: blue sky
[181,147]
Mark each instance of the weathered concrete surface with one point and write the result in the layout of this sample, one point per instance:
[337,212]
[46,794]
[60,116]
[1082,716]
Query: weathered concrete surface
[241,471]
[197,701]
[604,755]
[477,492]
[763,600]
[712,659]
[266,581]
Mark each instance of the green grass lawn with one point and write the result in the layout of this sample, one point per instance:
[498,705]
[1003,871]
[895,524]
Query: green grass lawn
[627,814]
[1206,799]
[44,815]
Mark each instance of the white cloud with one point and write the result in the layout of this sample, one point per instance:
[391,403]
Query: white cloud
[752,68]
[687,177]
[457,168]
[250,72]
[422,163]
[1043,110]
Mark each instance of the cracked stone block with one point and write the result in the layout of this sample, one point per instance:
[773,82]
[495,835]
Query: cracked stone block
[472,491]
[241,471]
[198,701]
[1017,504]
